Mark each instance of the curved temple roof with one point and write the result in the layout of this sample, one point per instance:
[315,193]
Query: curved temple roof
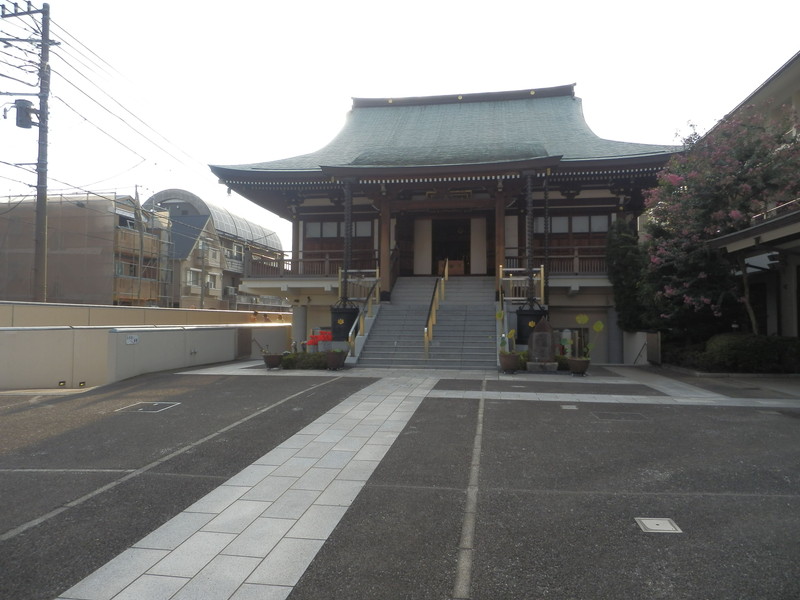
[469,129]
[225,221]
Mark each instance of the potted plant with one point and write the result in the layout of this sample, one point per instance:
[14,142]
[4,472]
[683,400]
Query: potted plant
[578,365]
[335,359]
[510,360]
[272,361]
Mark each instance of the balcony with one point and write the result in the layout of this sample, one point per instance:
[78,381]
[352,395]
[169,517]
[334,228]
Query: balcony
[580,260]
[777,211]
[309,264]
[129,239]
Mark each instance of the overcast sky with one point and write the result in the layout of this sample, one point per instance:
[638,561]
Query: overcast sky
[177,84]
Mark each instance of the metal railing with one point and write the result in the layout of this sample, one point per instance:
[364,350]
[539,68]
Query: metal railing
[436,299]
[777,211]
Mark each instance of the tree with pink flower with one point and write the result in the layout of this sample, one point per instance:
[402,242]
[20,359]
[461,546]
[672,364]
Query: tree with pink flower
[749,162]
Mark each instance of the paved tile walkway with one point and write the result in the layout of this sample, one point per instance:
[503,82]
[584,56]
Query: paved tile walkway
[254,536]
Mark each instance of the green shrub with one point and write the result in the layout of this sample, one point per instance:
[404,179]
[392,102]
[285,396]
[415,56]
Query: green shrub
[304,360]
[749,353]
[683,355]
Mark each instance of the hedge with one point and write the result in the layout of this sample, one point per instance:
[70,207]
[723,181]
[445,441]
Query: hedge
[740,353]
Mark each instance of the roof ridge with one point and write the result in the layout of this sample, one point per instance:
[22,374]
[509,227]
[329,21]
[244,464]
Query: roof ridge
[548,92]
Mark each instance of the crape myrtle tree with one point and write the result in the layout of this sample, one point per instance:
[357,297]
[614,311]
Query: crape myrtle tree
[626,260]
[750,161]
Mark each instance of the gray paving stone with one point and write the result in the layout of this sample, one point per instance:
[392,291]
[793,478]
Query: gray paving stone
[237,516]
[152,587]
[219,579]
[292,504]
[219,499]
[259,538]
[316,479]
[270,489]
[318,522]
[286,563]
[190,557]
[175,531]
[116,575]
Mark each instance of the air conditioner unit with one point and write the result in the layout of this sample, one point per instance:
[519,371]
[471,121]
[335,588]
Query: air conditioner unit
[230,291]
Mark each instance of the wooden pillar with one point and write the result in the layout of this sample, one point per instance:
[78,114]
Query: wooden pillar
[295,262]
[385,251]
[295,238]
[344,295]
[499,231]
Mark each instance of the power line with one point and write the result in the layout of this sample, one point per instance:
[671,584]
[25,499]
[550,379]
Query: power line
[64,102]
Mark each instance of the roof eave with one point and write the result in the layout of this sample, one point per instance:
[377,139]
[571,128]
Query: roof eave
[354,171]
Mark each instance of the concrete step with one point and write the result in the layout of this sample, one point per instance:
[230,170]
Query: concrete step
[429,363]
[464,334]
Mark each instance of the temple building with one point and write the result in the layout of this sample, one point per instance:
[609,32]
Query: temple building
[491,185]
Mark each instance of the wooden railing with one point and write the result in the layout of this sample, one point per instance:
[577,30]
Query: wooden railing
[308,264]
[360,283]
[580,260]
[436,299]
[513,284]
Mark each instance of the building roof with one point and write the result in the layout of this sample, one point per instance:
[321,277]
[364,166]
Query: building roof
[227,223]
[781,86]
[185,231]
[478,130]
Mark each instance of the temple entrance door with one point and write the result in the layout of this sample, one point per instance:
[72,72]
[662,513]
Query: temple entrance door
[451,240]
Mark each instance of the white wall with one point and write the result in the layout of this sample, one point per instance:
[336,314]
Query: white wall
[634,348]
[75,357]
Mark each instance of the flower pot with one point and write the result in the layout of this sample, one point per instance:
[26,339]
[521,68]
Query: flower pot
[578,366]
[510,362]
[336,359]
[272,361]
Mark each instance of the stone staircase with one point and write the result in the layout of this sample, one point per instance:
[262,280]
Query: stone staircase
[464,335]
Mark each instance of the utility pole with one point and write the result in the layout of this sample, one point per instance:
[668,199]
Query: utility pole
[40,237]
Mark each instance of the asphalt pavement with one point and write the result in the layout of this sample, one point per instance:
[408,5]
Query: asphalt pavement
[237,482]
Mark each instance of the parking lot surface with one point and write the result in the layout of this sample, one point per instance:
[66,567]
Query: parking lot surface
[235,482]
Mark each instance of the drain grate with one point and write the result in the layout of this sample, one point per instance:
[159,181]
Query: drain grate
[619,416]
[656,525]
[148,407]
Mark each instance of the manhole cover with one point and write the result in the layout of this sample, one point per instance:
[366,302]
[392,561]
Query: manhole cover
[619,416]
[148,407]
[655,525]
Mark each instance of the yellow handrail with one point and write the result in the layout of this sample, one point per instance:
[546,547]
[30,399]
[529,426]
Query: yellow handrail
[436,298]
[366,310]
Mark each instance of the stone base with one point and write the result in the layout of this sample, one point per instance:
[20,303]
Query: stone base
[542,366]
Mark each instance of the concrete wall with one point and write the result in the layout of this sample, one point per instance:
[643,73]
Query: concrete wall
[76,357]
[45,346]
[636,347]
[33,314]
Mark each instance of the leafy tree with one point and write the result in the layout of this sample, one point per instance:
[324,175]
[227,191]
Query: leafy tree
[746,164]
[626,259]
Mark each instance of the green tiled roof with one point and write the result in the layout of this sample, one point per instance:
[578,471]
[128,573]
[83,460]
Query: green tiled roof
[474,129]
